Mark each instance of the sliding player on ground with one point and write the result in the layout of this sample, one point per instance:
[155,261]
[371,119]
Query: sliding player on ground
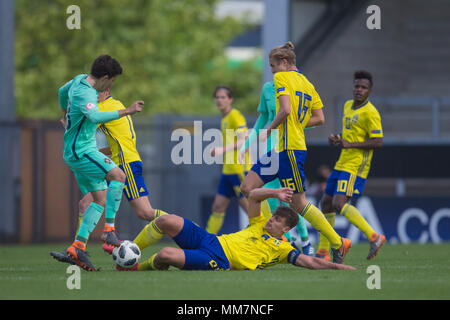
[361,134]
[256,247]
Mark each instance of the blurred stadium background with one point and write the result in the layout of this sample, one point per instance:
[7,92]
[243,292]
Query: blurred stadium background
[174,52]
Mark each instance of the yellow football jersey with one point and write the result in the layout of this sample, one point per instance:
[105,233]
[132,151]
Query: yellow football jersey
[303,98]
[232,124]
[254,248]
[120,134]
[357,126]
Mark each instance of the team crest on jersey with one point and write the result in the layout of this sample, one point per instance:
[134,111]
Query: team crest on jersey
[107,160]
[90,106]
[349,121]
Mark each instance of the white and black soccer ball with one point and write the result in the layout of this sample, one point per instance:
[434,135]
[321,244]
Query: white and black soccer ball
[127,255]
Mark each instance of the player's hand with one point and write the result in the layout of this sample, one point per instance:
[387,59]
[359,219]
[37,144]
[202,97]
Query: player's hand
[285,195]
[136,107]
[334,139]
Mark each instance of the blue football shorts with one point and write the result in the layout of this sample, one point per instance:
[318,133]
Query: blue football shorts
[230,185]
[346,183]
[202,249]
[134,183]
[290,171]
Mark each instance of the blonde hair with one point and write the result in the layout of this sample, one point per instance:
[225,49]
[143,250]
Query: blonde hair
[285,51]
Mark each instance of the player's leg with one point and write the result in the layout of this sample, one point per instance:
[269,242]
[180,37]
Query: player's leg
[83,204]
[165,258]
[221,201]
[351,213]
[219,207]
[90,172]
[143,208]
[237,180]
[136,191]
[116,179]
[292,175]
[77,251]
[201,250]
[323,250]
[315,217]
[153,232]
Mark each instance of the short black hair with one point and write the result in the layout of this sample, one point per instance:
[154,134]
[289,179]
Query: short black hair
[228,90]
[363,74]
[290,215]
[105,65]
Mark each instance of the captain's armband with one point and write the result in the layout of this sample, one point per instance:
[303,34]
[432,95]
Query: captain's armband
[292,256]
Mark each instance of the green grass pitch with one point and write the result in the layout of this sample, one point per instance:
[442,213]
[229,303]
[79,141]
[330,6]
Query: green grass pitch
[411,271]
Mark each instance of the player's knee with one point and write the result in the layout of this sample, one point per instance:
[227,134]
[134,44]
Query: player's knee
[326,205]
[166,255]
[338,204]
[164,222]
[121,176]
[116,175]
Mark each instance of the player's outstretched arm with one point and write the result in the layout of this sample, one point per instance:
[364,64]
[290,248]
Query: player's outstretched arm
[134,108]
[308,262]
[256,196]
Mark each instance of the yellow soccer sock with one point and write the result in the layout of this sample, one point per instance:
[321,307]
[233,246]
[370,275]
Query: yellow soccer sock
[159,213]
[323,241]
[80,220]
[147,265]
[265,210]
[151,234]
[316,218]
[215,222]
[354,216]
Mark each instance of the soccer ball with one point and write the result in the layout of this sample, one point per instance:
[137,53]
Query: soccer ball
[127,255]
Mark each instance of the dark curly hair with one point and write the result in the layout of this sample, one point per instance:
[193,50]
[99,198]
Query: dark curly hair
[363,74]
[105,65]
